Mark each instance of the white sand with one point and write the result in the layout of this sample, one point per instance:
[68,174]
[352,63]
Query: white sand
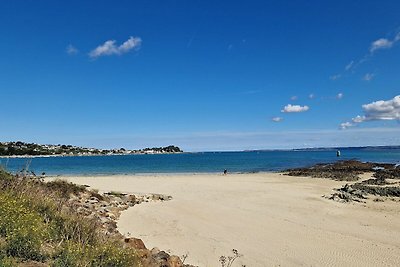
[274,220]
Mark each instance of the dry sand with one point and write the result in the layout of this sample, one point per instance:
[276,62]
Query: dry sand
[272,219]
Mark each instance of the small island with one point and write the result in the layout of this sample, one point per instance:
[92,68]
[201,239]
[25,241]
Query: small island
[32,149]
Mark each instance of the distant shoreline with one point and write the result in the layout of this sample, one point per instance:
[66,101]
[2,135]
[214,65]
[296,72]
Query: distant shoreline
[316,149]
[20,149]
[92,155]
[310,149]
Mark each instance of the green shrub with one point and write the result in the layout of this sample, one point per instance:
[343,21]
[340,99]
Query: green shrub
[75,228]
[101,255]
[24,246]
[7,262]
[64,188]
[71,254]
[111,255]
[23,229]
[37,225]
[6,179]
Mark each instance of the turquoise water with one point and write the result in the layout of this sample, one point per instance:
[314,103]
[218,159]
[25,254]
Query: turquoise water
[193,162]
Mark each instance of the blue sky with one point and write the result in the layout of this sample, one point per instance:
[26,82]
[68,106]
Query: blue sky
[203,75]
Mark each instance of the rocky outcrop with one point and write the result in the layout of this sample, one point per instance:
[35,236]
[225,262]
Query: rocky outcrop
[153,257]
[135,243]
[385,181]
[390,173]
[106,209]
[384,184]
[348,170]
[347,194]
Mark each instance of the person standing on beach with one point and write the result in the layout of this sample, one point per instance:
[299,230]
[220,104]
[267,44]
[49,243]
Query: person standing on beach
[225,172]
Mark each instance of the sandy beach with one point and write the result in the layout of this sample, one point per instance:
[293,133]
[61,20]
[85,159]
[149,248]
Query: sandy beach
[272,219]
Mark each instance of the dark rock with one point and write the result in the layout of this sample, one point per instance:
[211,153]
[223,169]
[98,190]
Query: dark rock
[161,258]
[343,197]
[393,173]
[162,255]
[386,191]
[377,181]
[342,170]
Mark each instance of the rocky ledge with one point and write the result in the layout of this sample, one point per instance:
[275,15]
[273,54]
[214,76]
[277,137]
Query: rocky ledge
[384,184]
[106,208]
[348,170]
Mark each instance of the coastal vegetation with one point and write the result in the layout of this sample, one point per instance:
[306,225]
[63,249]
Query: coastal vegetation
[57,223]
[39,228]
[32,149]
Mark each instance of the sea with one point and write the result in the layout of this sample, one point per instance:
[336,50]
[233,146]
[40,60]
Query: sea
[205,162]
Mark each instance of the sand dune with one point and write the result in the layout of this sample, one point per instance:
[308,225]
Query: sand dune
[273,220]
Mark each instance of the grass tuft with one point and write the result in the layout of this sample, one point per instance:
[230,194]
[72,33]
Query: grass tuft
[38,225]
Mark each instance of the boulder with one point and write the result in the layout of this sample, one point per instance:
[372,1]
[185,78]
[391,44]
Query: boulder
[156,197]
[174,261]
[92,201]
[161,258]
[154,251]
[132,198]
[146,259]
[135,243]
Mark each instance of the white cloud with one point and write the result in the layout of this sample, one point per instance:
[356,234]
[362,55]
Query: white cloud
[368,77]
[350,65]
[293,98]
[346,125]
[382,43]
[379,44]
[311,96]
[339,96]
[72,50]
[277,119]
[335,77]
[397,38]
[110,48]
[378,110]
[294,108]
[383,110]
[358,119]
